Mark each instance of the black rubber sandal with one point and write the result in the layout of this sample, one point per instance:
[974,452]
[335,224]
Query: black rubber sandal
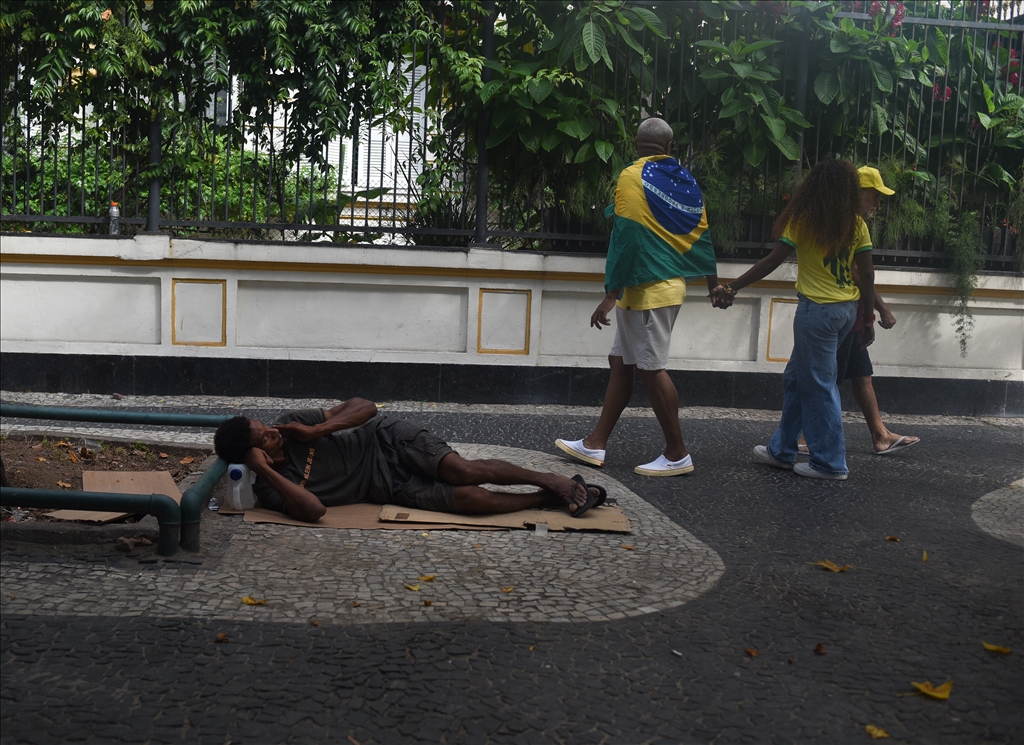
[602,494]
[590,502]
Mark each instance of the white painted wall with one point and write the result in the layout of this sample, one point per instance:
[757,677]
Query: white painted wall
[155,296]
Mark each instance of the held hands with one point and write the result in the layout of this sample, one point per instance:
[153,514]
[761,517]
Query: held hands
[886,319]
[720,298]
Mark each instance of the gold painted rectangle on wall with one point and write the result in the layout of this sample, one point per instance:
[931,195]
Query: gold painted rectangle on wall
[503,321]
[780,329]
[199,312]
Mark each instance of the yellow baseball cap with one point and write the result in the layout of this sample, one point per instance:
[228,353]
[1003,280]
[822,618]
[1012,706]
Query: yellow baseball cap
[870,178]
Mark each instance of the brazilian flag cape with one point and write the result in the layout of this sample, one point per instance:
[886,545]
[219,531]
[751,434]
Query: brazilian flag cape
[661,227]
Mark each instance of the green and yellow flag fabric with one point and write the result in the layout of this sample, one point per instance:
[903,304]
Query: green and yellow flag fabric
[661,226]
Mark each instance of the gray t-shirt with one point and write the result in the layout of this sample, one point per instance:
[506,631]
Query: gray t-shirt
[344,467]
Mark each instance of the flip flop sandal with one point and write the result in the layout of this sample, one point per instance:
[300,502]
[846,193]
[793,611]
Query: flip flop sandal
[900,444]
[590,502]
[602,494]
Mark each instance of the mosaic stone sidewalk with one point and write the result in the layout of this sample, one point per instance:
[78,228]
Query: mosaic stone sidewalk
[1001,513]
[335,575]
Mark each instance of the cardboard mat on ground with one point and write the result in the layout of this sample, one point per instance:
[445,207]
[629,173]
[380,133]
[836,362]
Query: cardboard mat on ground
[389,517]
[606,518]
[137,482]
[357,516]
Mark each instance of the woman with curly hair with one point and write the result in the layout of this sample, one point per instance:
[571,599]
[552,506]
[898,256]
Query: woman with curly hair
[823,225]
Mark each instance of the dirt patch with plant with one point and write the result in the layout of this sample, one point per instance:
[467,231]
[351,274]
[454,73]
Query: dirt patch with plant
[49,463]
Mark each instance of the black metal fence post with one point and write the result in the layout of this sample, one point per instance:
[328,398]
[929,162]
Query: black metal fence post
[155,146]
[483,127]
[800,94]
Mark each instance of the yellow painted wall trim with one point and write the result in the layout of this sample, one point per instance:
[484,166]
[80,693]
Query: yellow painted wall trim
[290,266]
[479,322]
[771,311]
[223,313]
[414,271]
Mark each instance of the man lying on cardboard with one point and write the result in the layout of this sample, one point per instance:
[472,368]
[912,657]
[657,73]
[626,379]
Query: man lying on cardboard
[311,459]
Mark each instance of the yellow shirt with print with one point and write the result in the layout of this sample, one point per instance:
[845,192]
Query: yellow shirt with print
[823,279]
[651,295]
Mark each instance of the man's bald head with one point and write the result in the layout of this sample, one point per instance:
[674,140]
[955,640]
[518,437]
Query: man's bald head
[654,137]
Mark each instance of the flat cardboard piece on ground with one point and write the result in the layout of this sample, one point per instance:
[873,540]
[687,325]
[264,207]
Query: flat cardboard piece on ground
[605,518]
[359,516]
[120,482]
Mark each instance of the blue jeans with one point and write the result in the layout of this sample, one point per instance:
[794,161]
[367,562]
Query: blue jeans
[811,401]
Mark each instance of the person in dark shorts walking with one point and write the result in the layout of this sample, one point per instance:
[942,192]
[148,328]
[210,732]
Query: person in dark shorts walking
[852,360]
[854,363]
[311,459]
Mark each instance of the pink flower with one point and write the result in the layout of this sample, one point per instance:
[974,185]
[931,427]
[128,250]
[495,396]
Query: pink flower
[897,18]
[1014,78]
[875,8]
[941,95]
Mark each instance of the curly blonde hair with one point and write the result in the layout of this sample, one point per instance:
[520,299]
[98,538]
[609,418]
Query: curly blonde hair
[825,207]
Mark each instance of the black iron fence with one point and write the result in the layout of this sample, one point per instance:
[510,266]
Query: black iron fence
[940,137]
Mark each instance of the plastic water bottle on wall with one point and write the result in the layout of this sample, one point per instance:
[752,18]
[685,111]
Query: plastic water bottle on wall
[240,480]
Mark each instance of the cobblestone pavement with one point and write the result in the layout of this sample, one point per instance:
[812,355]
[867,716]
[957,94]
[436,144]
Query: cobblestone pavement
[100,646]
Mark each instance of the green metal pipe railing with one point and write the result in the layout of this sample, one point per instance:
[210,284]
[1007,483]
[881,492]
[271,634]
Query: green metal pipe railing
[192,503]
[162,507]
[191,509]
[112,415]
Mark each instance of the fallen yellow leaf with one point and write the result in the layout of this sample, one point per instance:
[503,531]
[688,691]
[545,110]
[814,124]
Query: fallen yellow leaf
[356,603]
[222,638]
[830,565]
[533,648]
[478,545]
[877,733]
[63,484]
[507,589]
[72,457]
[428,603]
[751,652]
[942,692]
[425,535]
[924,556]
[427,578]
[628,547]
[249,600]
[897,539]
[994,648]
[41,459]
[414,588]
[162,455]
[186,460]
[314,622]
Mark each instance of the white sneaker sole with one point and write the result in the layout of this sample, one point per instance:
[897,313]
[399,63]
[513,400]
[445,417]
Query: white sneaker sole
[671,472]
[761,453]
[578,455]
[805,470]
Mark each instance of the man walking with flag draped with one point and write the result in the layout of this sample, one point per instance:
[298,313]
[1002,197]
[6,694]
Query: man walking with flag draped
[659,239]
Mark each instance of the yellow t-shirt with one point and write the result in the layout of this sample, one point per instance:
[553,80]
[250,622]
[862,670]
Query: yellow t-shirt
[653,295]
[820,278]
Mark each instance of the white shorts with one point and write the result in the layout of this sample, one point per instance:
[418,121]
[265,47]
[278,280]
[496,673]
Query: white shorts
[642,337]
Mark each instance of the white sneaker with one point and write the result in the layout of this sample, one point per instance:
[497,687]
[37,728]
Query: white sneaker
[665,467]
[577,450]
[805,469]
[762,454]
